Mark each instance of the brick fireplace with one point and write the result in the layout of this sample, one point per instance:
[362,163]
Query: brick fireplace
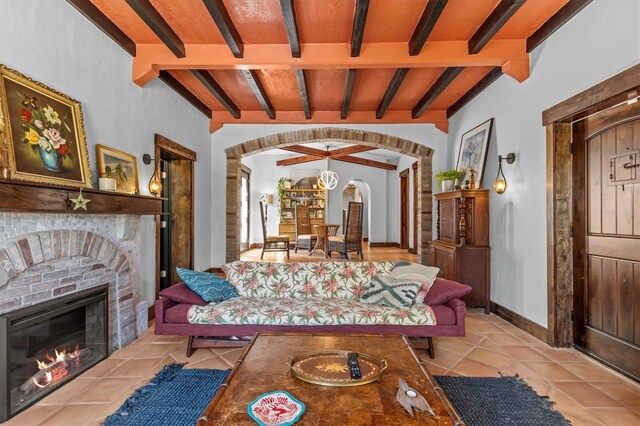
[46,256]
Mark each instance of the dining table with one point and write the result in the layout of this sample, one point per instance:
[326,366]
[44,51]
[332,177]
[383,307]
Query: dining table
[324,232]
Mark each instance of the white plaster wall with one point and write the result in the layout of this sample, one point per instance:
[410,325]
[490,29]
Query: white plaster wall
[598,43]
[235,134]
[51,42]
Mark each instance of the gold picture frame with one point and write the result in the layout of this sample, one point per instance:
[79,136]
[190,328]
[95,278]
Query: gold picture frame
[44,138]
[126,182]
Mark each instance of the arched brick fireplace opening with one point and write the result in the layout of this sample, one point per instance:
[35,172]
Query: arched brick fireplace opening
[422,153]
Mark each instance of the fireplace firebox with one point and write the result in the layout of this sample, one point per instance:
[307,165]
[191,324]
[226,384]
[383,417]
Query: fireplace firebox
[44,346]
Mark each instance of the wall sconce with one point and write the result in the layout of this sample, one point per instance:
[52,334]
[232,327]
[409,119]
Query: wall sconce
[500,184]
[155,184]
[266,199]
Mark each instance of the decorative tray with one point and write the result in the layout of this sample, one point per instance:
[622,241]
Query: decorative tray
[330,368]
[277,408]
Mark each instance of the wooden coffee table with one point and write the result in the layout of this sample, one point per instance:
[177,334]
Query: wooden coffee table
[263,368]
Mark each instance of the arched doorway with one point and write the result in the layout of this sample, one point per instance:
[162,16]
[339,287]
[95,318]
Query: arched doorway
[235,153]
[359,191]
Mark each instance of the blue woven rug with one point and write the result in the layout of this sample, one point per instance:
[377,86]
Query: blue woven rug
[177,397]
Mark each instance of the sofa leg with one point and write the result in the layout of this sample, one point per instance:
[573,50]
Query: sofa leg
[432,349]
[190,349]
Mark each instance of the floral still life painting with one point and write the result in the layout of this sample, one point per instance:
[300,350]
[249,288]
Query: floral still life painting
[44,132]
[473,150]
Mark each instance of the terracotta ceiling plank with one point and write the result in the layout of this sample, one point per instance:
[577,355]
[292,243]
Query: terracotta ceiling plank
[326,89]
[212,86]
[127,20]
[258,21]
[349,150]
[331,56]
[427,22]
[359,21]
[282,89]
[461,18]
[258,90]
[365,162]
[325,21]
[233,82]
[415,85]
[369,88]
[468,78]
[184,92]
[190,20]
[145,10]
[289,14]
[100,20]
[392,21]
[300,149]
[528,19]
[555,22]
[220,16]
[438,87]
[500,15]
[348,92]
[298,160]
[486,81]
[392,89]
[302,86]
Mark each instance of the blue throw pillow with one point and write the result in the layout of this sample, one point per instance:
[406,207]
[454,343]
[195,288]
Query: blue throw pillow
[208,286]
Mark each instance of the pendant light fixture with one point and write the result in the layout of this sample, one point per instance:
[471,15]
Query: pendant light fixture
[500,184]
[327,179]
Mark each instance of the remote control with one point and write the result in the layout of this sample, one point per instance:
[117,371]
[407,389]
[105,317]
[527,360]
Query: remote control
[354,366]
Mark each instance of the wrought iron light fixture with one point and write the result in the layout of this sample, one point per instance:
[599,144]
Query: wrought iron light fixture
[500,184]
[155,184]
[267,199]
[327,179]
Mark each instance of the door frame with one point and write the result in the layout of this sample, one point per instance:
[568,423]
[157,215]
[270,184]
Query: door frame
[404,209]
[244,170]
[560,191]
[413,248]
[167,146]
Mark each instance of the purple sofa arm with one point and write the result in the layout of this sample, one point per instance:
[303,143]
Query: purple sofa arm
[161,305]
[460,309]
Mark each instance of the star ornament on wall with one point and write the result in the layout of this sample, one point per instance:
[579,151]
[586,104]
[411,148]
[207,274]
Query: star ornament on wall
[80,202]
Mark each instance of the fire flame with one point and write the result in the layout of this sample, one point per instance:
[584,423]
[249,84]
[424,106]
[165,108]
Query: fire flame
[56,365]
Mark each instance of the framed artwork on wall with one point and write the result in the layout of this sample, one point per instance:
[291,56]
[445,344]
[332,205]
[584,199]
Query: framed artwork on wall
[120,166]
[43,132]
[473,150]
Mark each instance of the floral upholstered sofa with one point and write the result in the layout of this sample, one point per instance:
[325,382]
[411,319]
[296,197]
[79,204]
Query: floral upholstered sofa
[301,297]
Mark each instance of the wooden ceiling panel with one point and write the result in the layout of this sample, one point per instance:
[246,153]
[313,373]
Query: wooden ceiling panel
[325,21]
[190,21]
[415,85]
[529,18]
[189,81]
[369,88]
[392,21]
[258,21]
[119,12]
[325,88]
[281,87]
[234,82]
[460,19]
[468,78]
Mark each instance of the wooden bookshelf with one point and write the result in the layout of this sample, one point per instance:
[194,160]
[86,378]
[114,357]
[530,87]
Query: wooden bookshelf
[316,199]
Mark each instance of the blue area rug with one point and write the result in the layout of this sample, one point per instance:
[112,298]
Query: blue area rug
[177,397]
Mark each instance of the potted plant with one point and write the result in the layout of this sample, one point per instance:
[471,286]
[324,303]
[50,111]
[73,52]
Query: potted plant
[107,182]
[448,179]
[283,183]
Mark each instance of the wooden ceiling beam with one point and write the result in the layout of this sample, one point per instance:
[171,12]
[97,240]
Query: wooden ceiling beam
[349,150]
[225,25]
[435,90]
[430,16]
[184,92]
[334,56]
[359,21]
[300,149]
[145,10]
[392,89]
[289,14]
[486,81]
[100,20]
[348,92]
[304,95]
[298,160]
[258,90]
[212,86]
[500,15]
[560,18]
[365,162]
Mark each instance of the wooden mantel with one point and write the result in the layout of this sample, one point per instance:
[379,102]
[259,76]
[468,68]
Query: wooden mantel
[28,197]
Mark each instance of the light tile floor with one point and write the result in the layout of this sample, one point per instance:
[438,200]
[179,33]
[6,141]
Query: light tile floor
[584,391]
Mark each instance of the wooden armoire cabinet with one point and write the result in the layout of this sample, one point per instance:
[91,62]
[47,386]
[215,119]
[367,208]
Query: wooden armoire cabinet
[461,249]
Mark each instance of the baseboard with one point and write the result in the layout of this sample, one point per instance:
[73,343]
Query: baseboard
[536,330]
[255,246]
[384,244]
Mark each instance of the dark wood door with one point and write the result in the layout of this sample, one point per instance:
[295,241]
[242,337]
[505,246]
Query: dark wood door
[404,209]
[607,240]
[181,216]
[447,213]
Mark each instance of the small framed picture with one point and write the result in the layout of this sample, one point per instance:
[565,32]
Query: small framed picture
[473,150]
[120,166]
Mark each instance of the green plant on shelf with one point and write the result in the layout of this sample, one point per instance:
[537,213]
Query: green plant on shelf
[450,175]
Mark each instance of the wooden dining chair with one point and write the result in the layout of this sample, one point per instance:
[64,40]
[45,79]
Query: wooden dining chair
[305,238]
[272,242]
[351,239]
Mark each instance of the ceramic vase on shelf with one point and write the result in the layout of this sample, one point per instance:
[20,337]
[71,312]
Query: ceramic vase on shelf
[446,185]
[50,159]
[107,184]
